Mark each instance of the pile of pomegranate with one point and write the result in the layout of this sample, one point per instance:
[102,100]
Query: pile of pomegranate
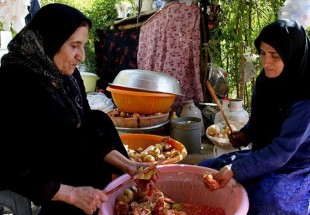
[159,151]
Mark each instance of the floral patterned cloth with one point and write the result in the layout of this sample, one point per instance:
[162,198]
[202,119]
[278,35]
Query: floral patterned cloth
[115,51]
[169,42]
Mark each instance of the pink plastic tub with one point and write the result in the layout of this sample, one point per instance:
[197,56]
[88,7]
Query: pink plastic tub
[184,184]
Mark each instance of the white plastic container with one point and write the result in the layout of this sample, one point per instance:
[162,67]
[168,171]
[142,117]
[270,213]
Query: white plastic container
[233,109]
[225,106]
[236,112]
[190,110]
[236,116]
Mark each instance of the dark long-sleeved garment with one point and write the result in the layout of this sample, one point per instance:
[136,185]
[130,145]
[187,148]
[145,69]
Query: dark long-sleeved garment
[41,148]
[276,177]
[276,172]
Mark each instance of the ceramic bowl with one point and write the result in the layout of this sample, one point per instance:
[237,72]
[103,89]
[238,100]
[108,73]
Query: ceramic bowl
[223,142]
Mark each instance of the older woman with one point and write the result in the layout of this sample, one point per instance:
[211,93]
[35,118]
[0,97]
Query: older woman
[276,173]
[57,152]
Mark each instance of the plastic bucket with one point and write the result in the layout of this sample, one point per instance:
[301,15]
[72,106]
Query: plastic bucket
[90,81]
[187,131]
[184,184]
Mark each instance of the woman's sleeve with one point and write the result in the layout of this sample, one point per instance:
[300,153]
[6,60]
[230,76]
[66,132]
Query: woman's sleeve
[102,134]
[290,148]
[20,158]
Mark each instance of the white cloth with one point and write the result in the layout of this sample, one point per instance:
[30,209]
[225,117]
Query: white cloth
[296,10]
[170,42]
[13,13]
[99,101]
[5,37]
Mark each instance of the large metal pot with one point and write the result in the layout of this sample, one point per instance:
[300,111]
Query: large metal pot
[148,81]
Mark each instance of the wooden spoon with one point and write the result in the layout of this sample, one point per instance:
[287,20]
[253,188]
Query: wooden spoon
[217,101]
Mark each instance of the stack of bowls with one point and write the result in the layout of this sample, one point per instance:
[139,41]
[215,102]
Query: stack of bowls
[147,81]
[144,92]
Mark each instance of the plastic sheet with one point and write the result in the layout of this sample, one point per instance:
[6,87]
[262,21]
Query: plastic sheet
[218,80]
[99,101]
[296,10]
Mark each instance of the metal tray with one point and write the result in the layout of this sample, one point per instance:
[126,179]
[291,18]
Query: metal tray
[137,130]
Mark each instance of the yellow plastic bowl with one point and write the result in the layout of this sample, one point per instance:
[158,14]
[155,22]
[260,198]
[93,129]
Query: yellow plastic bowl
[142,102]
[135,141]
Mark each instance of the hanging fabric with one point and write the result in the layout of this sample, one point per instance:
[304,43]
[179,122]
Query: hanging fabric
[33,8]
[117,49]
[170,42]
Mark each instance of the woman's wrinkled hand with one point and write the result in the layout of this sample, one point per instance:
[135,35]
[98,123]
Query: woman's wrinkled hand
[86,198]
[238,139]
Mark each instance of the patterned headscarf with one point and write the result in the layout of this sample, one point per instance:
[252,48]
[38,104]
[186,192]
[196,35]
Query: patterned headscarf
[37,43]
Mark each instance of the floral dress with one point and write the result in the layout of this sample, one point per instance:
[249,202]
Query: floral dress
[169,42]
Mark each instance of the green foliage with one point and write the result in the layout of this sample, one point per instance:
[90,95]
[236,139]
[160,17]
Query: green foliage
[240,23]
[102,14]
[79,4]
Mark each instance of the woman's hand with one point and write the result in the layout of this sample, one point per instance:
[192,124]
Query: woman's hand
[148,185]
[133,166]
[220,179]
[238,139]
[87,199]
[224,176]
[129,166]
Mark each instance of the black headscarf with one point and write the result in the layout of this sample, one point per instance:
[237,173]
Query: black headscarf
[34,47]
[274,97]
[55,23]
[290,40]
